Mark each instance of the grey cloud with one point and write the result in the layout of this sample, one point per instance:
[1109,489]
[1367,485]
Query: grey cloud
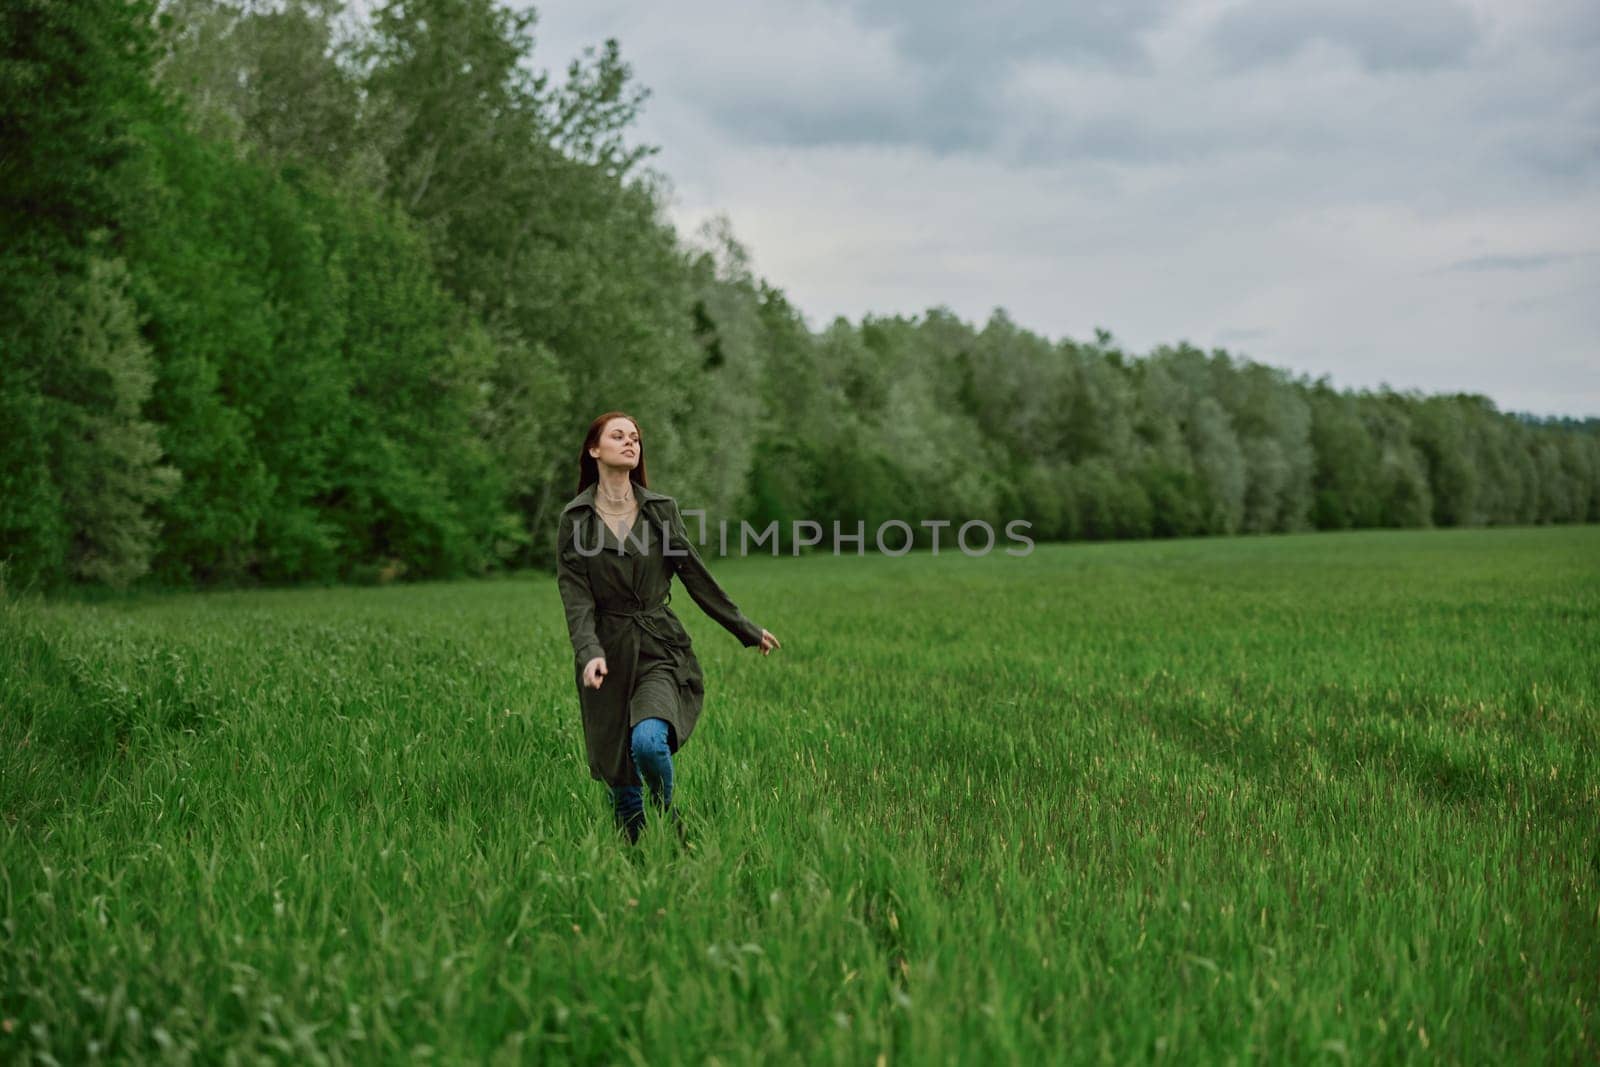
[1514,263]
[937,114]
[1385,36]
[801,125]
[979,38]
[1572,25]
[955,65]
[1561,153]
[958,57]
[1176,138]
[942,76]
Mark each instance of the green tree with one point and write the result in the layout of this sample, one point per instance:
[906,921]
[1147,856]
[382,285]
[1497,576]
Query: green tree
[1441,432]
[107,456]
[79,469]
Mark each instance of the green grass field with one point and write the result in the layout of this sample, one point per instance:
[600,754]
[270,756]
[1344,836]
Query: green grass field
[1316,798]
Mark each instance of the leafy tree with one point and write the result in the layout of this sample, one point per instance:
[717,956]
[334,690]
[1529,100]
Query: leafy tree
[80,466]
[275,79]
[1347,456]
[1402,476]
[1441,433]
[107,456]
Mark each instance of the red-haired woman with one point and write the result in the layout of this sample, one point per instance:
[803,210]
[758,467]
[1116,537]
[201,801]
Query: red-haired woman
[618,544]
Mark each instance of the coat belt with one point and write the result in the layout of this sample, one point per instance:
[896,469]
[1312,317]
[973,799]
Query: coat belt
[648,617]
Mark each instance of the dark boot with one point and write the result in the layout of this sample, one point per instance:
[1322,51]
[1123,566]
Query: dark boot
[631,826]
[628,813]
[676,822]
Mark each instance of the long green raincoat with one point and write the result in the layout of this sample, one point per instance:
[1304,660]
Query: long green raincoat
[616,592]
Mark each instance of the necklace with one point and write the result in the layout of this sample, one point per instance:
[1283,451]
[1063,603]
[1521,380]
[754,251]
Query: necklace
[616,504]
[613,513]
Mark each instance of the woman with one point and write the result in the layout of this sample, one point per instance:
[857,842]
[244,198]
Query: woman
[618,544]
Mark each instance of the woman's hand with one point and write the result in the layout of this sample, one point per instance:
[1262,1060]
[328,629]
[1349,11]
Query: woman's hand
[768,642]
[594,672]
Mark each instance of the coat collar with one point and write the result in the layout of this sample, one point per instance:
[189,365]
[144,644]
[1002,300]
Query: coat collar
[586,498]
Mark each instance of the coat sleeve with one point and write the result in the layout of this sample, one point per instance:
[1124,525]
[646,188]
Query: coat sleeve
[576,597]
[691,571]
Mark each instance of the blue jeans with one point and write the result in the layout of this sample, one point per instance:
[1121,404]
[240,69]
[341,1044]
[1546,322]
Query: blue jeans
[653,757]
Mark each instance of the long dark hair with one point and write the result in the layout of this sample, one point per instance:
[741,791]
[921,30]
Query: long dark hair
[589,467]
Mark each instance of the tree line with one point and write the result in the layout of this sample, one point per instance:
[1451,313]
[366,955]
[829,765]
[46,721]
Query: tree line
[293,295]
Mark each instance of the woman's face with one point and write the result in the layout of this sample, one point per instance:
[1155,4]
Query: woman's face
[619,445]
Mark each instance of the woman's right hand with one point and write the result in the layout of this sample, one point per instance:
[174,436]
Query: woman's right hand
[594,672]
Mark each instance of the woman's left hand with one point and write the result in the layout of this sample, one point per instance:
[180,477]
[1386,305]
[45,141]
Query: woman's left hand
[768,642]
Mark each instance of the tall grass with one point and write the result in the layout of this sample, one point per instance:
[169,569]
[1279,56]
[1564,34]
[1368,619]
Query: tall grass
[1321,797]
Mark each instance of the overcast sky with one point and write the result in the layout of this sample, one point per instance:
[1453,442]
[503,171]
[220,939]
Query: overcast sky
[1400,191]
